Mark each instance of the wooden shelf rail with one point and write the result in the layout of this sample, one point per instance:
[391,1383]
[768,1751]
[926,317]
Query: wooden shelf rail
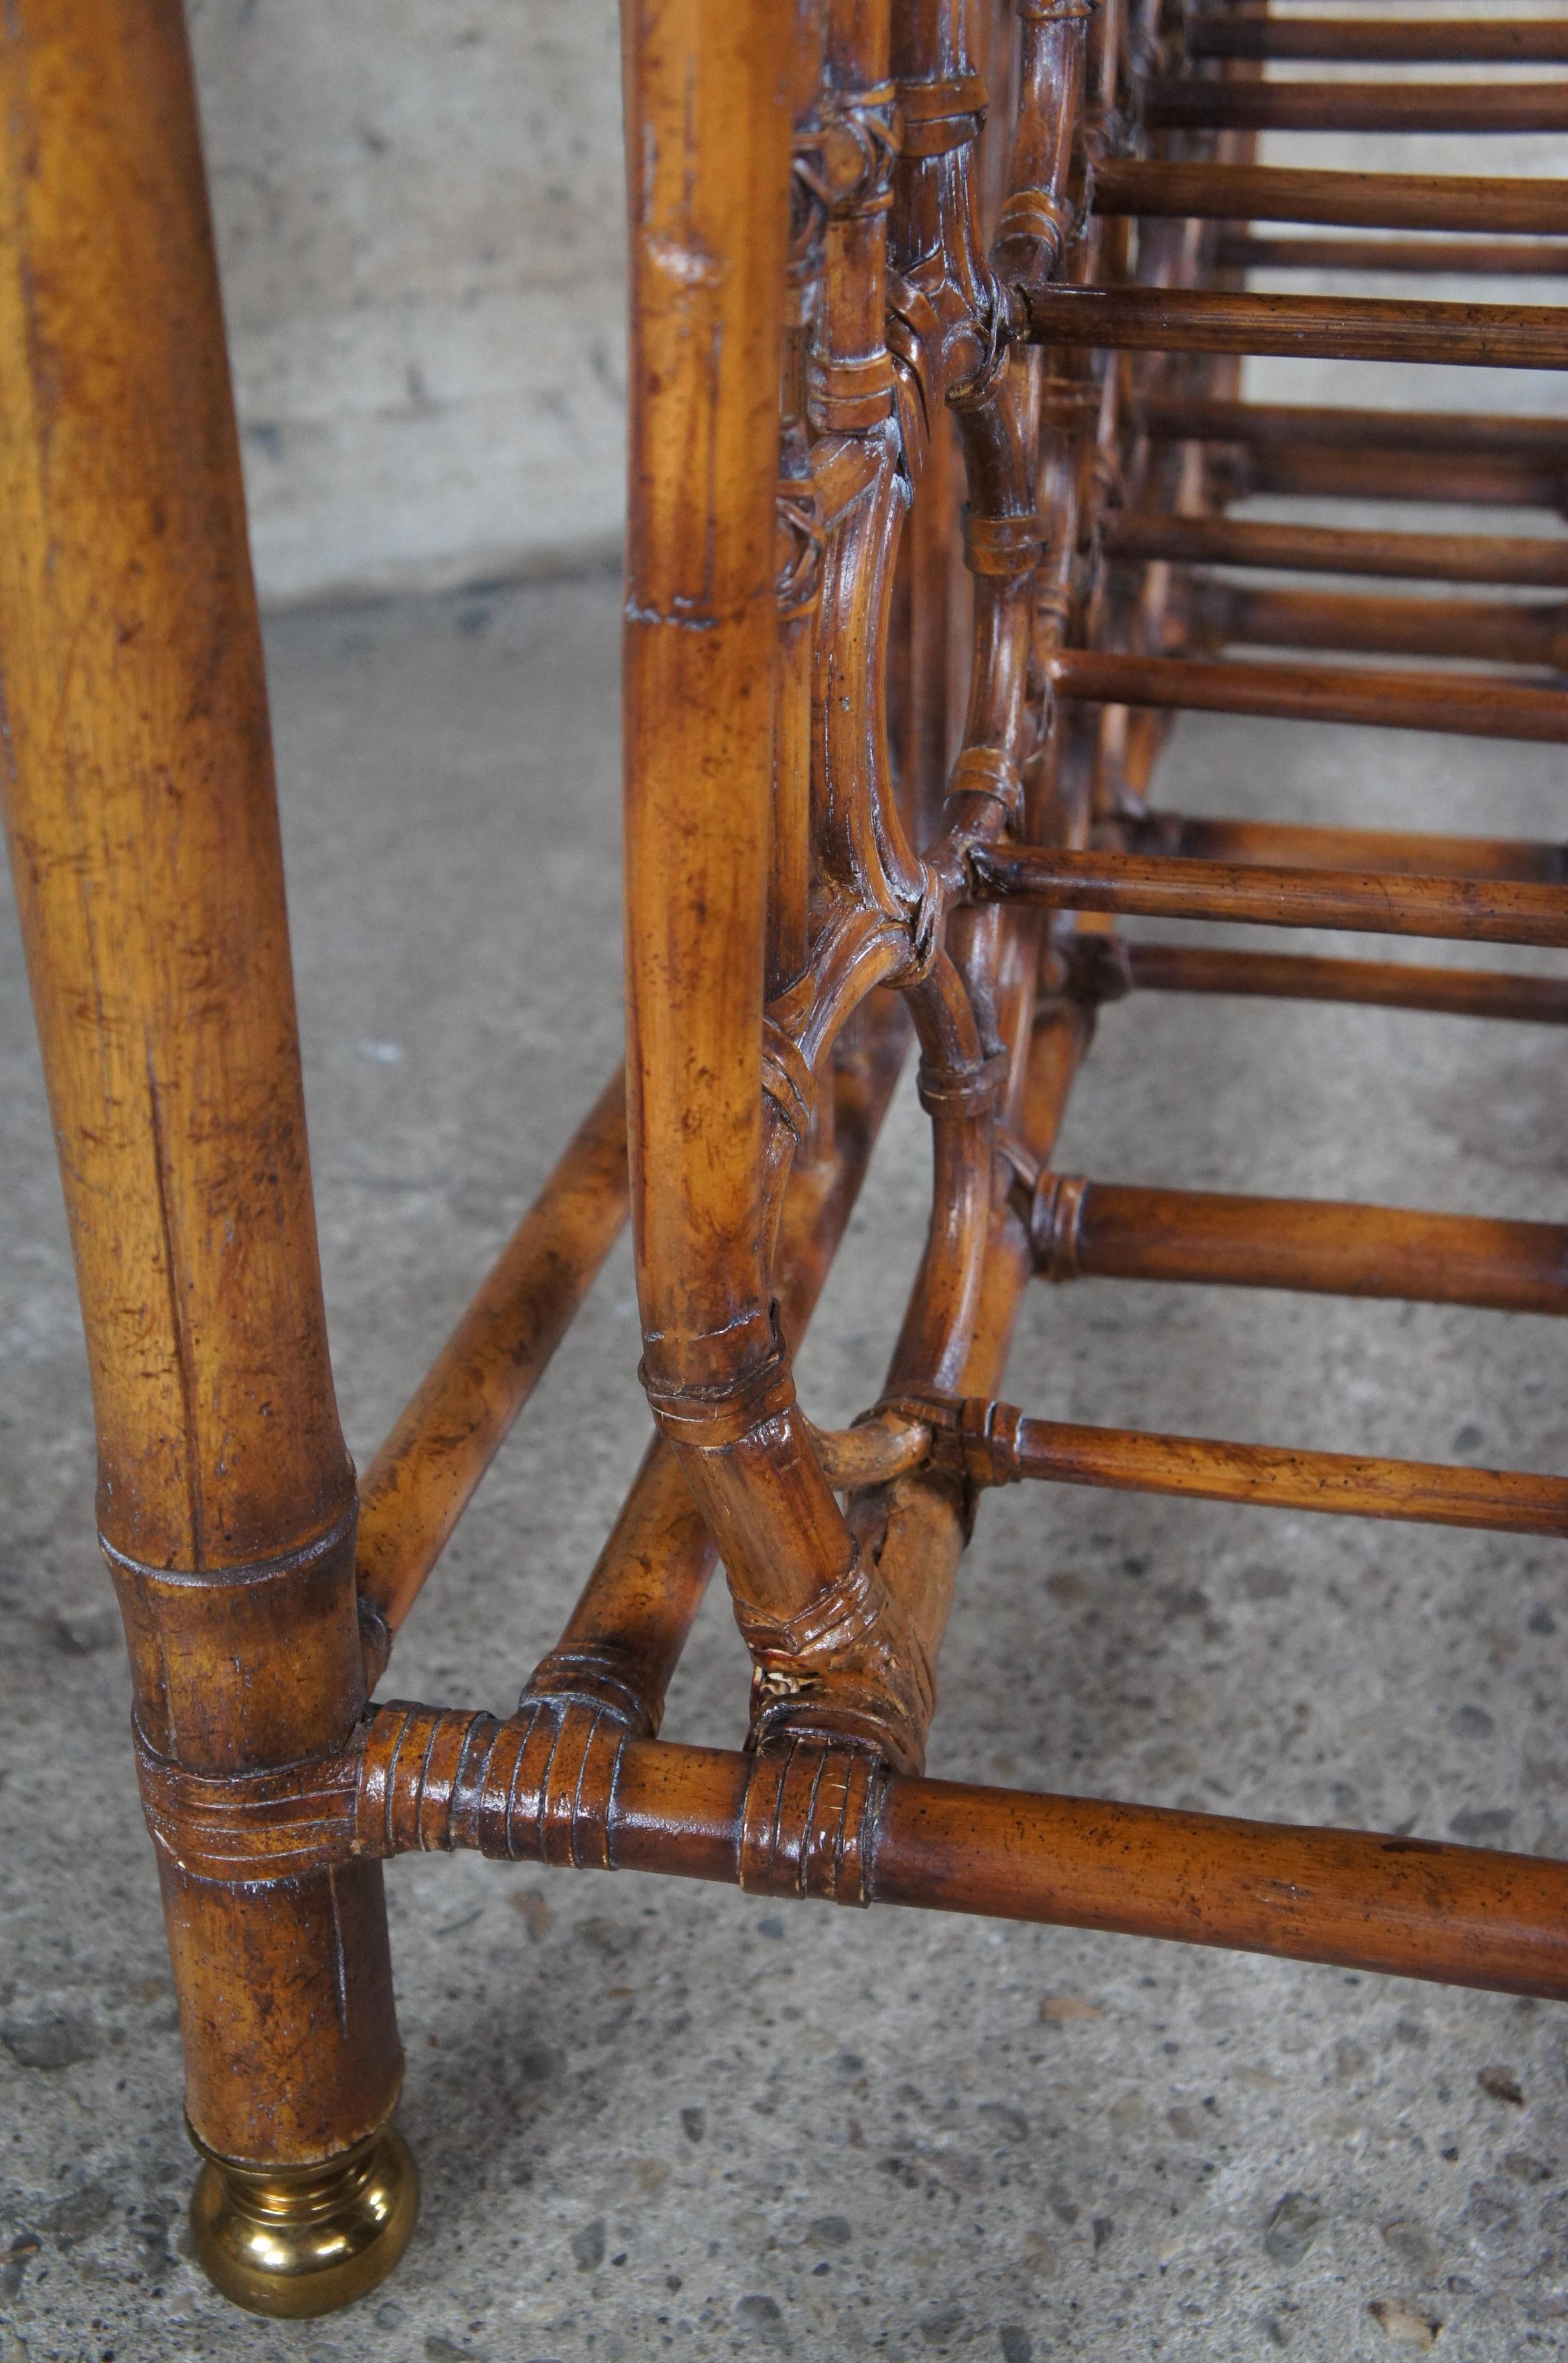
[1525,560]
[1481,258]
[1379,984]
[1284,192]
[1399,853]
[1464,108]
[1473,707]
[1106,1230]
[1465,910]
[1368,328]
[1505,42]
[1497,631]
[1284,425]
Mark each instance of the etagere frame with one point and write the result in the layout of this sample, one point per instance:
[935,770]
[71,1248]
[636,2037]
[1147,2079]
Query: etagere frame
[937,312]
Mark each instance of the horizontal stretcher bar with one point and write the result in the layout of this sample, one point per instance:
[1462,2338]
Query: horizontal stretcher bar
[815,1821]
[421,1480]
[1492,258]
[1496,631]
[1302,845]
[1530,560]
[1488,206]
[1341,1484]
[1504,41]
[1473,706]
[1465,910]
[1287,425]
[1111,1231]
[1357,328]
[1379,984]
[1459,107]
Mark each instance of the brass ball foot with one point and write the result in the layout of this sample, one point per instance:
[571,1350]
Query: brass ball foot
[296,2240]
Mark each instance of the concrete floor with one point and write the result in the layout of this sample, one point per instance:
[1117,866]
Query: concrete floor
[657,2119]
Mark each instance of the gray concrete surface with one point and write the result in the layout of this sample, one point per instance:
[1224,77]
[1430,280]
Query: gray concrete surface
[655,2119]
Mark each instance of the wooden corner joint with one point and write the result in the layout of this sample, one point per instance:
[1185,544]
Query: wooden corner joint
[849,1667]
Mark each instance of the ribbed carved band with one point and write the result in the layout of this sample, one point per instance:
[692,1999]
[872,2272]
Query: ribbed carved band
[809,1825]
[786,1077]
[1054,1219]
[537,1788]
[941,116]
[1004,545]
[713,1417]
[254,1827]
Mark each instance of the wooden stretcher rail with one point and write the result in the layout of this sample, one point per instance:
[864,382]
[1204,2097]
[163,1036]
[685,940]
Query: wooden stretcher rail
[1379,984]
[1362,328]
[1518,41]
[1340,1485]
[1287,425]
[1495,630]
[1464,107]
[1473,707]
[1315,474]
[422,1478]
[1527,560]
[1299,845]
[1483,258]
[1284,192]
[812,1823]
[1465,910]
[1112,1231]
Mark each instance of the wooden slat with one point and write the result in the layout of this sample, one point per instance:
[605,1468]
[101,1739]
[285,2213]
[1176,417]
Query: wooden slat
[1461,107]
[1496,631]
[1380,984]
[1465,910]
[1312,473]
[1473,706]
[1287,425]
[1518,257]
[1113,1231]
[1341,1484]
[1374,41]
[1368,328]
[1403,852]
[1524,560]
[1487,205]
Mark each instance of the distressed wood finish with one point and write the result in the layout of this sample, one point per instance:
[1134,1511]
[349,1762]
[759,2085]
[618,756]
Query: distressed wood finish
[936,414]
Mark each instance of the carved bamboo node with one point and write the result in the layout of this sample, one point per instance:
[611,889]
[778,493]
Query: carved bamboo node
[848,394]
[597,1675]
[950,1091]
[849,1664]
[1044,219]
[1088,970]
[941,116]
[1004,545]
[972,1439]
[256,1827]
[851,154]
[1054,1219]
[810,1821]
[537,1788]
[786,1077]
[711,1417]
[1056,12]
[989,771]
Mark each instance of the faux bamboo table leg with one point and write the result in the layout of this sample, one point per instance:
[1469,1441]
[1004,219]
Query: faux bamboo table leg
[144,839]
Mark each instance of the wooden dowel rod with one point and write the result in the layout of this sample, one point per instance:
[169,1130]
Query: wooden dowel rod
[422,1478]
[1464,909]
[1400,1906]
[1490,258]
[1463,106]
[1405,1907]
[1381,985]
[1123,1233]
[1280,193]
[1287,425]
[1516,559]
[1516,41]
[1474,707]
[1366,329]
[1315,474]
[1501,631]
[1341,1484]
[1300,846]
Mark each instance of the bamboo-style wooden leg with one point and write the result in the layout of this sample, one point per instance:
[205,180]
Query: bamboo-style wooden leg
[144,839]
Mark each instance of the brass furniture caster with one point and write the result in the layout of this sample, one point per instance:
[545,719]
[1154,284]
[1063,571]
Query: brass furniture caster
[297,2240]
